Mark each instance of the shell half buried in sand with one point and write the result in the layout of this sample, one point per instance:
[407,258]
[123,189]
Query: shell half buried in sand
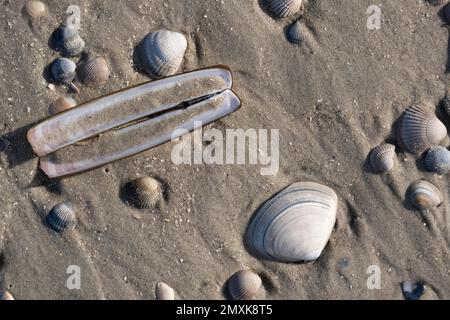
[295,224]
[132,120]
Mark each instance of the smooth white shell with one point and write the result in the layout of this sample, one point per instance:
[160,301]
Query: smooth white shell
[382,157]
[419,129]
[161,53]
[283,8]
[244,285]
[164,292]
[35,8]
[295,224]
[424,195]
[6,295]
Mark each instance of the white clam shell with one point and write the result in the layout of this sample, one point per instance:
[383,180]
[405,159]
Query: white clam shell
[295,224]
[35,9]
[437,159]
[6,295]
[382,157]
[161,53]
[244,285]
[423,195]
[283,8]
[419,129]
[164,292]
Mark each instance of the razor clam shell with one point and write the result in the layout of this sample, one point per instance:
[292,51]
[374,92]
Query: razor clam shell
[295,224]
[164,292]
[283,8]
[63,71]
[94,72]
[61,217]
[161,53]
[35,9]
[423,195]
[104,113]
[117,144]
[437,160]
[244,285]
[382,157]
[419,129]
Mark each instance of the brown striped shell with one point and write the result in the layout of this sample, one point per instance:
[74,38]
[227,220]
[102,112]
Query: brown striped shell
[424,195]
[94,72]
[145,192]
[244,285]
[61,104]
[164,292]
[419,129]
[382,157]
[35,9]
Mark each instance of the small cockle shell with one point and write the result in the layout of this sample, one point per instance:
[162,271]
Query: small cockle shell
[94,72]
[419,129]
[423,195]
[164,292]
[244,285]
[161,53]
[145,192]
[69,41]
[61,217]
[6,295]
[382,157]
[295,224]
[299,33]
[35,9]
[63,71]
[412,290]
[283,8]
[61,104]
[437,159]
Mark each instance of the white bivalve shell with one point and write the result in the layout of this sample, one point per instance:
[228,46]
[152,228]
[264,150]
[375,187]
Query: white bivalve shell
[161,53]
[423,195]
[295,224]
[164,292]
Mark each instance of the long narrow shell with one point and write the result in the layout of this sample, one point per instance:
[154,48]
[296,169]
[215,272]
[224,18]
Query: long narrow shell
[35,9]
[382,157]
[295,224]
[161,53]
[423,195]
[164,292]
[63,71]
[6,295]
[283,8]
[94,72]
[244,285]
[145,192]
[419,129]
[61,104]
[437,159]
[61,217]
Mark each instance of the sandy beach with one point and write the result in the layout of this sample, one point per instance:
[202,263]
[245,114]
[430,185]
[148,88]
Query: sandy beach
[331,103]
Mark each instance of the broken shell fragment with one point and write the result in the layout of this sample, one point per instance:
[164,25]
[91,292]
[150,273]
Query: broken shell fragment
[61,104]
[61,217]
[94,72]
[164,292]
[382,157]
[63,71]
[244,285]
[283,8]
[437,160]
[419,129]
[6,295]
[145,192]
[423,195]
[295,224]
[161,53]
[35,9]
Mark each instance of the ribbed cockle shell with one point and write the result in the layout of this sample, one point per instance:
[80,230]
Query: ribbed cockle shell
[61,217]
[382,157]
[94,72]
[283,8]
[437,160]
[145,192]
[244,285]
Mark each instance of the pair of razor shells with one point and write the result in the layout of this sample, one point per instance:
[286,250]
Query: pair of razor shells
[418,130]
